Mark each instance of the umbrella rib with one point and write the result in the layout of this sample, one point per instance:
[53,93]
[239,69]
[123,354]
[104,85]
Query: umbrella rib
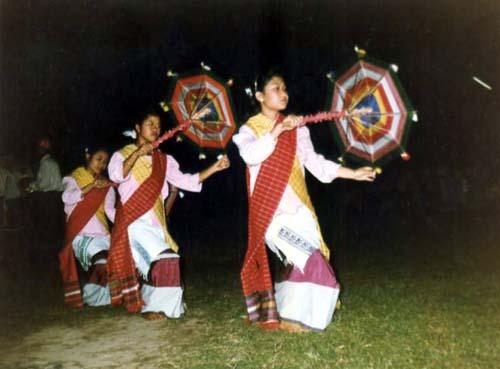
[355,137]
[380,129]
[372,90]
[355,85]
[199,129]
[346,92]
[378,114]
[197,102]
[339,86]
[208,103]
[387,135]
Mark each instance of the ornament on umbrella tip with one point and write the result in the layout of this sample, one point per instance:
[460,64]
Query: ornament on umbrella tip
[378,170]
[394,67]
[220,156]
[202,156]
[181,194]
[340,159]
[330,76]
[178,138]
[230,82]
[206,67]
[414,117]
[164,106]
[405,156]
[171,74]
[361,52]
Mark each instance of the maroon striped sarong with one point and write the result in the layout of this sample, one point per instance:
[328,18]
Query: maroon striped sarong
[80,216]
[123,281]
[269,187]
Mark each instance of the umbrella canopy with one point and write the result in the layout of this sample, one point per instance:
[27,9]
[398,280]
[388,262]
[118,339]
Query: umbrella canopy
[374,137]
[206,102]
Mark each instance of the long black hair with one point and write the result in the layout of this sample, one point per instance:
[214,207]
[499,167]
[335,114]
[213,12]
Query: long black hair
[91,149]
[152,110]
[258,85]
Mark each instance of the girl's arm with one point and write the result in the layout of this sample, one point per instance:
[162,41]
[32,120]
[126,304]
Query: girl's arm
[323,169]
[360,174]
[221,164]
[254,150]
[184,181]
[72,194]
[109,204]
[129,162]
[115,169]
[192,182]
[327,170]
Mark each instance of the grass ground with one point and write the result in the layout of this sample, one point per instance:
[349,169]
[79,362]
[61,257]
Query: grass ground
[432,304]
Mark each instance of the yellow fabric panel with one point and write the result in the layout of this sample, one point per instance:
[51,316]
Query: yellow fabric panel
[83,178]
[260,124]
[141,171]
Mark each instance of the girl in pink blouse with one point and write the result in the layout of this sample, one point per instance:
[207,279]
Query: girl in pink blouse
[277,151]
[147,243]
[90,240]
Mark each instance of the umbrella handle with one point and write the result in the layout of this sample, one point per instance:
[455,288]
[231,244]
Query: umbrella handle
[331,115]
[170,133]
[181,127]
[323,116]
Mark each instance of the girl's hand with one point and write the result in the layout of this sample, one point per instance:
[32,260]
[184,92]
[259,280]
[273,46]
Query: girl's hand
[289,123]
[364,174]
[145,149]
[102,183]
[222,164]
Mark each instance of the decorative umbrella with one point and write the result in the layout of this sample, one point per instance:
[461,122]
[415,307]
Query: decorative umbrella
[205,102]
[381,131]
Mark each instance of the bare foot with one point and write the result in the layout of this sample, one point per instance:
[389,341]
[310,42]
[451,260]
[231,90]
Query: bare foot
[338,305]
[154,316]
[292,328]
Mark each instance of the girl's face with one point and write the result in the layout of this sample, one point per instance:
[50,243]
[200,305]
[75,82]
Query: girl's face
[275,96]
[149,129]
[97,162]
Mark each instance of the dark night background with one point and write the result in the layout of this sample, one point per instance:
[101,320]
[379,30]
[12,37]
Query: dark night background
[78,70]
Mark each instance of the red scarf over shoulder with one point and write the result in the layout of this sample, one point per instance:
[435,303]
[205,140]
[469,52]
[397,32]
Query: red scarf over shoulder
[269,187]
[123,282]
[80,216]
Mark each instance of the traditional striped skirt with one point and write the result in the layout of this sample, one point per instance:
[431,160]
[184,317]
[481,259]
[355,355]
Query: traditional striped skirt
[159,268]
[91,253]
[306,294]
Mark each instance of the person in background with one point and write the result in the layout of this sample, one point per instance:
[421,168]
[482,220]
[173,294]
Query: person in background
[45,198]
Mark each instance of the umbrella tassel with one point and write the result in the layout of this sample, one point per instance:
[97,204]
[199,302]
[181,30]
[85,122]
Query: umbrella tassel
[171,74]
[164,106]
[361,52]
[206,67]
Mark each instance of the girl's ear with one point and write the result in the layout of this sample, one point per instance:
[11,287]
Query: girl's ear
[259,96]
[137,128]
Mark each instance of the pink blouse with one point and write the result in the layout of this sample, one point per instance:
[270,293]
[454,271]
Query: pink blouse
[128,185]
[255,150]
[72,195]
